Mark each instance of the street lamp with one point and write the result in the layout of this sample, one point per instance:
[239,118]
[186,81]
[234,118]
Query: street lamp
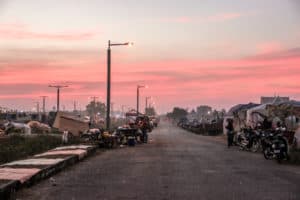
[138,97]
[109,80]
[58,87]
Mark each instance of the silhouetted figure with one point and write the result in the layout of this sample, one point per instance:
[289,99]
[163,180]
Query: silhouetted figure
[65,137]
[144,128]
[230,132]
[266,124]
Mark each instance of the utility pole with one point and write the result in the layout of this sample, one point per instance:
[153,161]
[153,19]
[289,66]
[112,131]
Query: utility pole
[75,106]
[58,87]
[112,108]
[44,103]
[122,107]
[38,110]
[94,108]
[80,110]
[109,79]
[38,107]
[138,98]
[108,86]
[146,104]
[94,98]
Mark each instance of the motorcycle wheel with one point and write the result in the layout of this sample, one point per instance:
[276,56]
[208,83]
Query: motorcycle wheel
[267,153]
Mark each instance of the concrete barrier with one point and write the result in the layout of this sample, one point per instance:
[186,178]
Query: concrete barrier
[24,173]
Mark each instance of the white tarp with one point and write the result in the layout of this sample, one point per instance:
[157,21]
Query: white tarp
[256,114]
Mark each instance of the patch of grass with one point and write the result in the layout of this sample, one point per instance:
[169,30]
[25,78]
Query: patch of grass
[18,147]
[55,131]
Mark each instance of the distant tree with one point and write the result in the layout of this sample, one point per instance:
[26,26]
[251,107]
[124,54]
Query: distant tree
[178,113]
[215,114]
[169,115]
[94,108]
[222,113]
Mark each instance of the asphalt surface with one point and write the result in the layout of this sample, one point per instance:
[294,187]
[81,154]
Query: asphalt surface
[175,165]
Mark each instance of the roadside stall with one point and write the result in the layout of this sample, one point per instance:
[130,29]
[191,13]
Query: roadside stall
[127,135]
[238,114]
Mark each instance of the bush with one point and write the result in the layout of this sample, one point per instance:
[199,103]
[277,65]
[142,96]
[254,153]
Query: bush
[18,147]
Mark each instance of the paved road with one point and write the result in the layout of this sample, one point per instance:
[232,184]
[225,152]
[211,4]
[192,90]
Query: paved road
[175,165]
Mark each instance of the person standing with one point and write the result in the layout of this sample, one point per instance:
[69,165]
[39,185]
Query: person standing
[230,132]
[65,137]
[145,128]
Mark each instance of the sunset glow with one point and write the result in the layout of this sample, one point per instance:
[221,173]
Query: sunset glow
[208,53]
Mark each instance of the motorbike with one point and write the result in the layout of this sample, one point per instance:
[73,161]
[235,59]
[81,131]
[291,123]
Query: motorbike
[275,146]
[249,139]
[91,135]
[97,136]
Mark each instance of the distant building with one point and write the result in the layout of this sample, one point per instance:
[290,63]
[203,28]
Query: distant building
[265,100]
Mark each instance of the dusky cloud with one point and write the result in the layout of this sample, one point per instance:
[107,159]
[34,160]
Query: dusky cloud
[220,17]
[22,31]
[208,80]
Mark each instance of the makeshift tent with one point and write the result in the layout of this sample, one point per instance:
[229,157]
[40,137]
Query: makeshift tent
[239,115]
[235,109]
[287,112]
[256,114]
[65,121]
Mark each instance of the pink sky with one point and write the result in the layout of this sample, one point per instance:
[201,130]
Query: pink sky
[174,82]
[220,56]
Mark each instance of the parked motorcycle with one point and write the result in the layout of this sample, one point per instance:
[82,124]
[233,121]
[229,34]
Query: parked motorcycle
[97,136]
[91,135]
[275,146]
[249,139]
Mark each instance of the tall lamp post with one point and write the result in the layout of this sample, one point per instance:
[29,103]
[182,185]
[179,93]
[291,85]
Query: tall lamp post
[138,98]
[109,79]
[58,87]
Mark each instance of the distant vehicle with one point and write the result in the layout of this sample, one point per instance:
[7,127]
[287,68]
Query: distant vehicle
[182,122]
[195,123]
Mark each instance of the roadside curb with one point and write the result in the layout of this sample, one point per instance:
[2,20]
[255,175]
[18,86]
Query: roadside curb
[7,190]
[51,170]
[69,157]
